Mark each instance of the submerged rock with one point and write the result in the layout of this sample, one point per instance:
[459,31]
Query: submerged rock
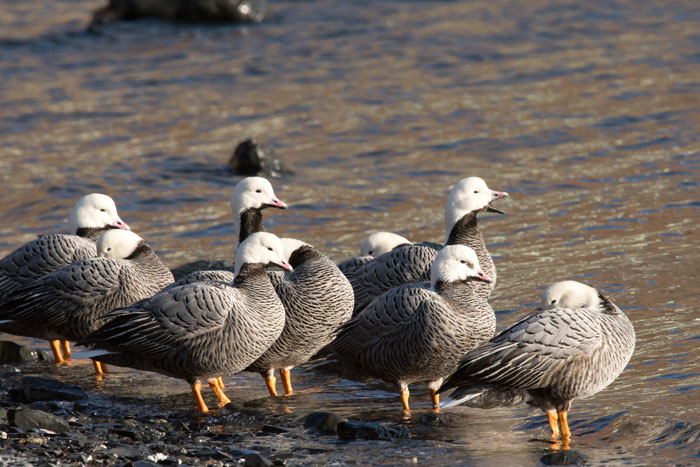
[371,430]
[253,158]
[38,388]
[11,352]
[226,11]
[564,458]
[324,423]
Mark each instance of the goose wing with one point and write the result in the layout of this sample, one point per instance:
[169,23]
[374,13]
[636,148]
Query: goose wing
[531,353]
[42,256]
[216,275]
[55,297]
[159,324]
[393,330]
[349,266]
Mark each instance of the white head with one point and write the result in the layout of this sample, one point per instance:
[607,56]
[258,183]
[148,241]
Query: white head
[290,245]
[570,294]
[468,195]
[95,211]
[378,243]
[117,243]
[253,193]
[260,247]
[456,263]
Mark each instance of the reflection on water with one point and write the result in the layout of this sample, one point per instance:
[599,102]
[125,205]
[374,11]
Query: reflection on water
[586,112]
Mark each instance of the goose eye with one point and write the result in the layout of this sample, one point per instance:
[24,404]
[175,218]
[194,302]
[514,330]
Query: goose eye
[463,262]
[370,252]
[258,191]
[103,210]
[109,249]
[553,302]
[476,191]
[269,248]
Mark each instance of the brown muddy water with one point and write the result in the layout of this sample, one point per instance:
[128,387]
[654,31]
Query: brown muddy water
[588,113]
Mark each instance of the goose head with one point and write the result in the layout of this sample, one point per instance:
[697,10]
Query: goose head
[470,195]
[261,247]
[95,211]
[118,244]
[378,243]
[254,193]
[456,263]
[571,294]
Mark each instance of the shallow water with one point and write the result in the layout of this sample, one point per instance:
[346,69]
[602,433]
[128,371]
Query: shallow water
[587,113]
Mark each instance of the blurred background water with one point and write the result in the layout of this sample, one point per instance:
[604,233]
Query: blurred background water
[586,112]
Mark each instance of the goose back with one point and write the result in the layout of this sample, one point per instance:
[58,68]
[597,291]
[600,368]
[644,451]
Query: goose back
[317,299]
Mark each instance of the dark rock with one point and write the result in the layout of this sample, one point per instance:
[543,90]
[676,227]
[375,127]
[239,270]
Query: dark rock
[324,423]
[26,418]
[240,453]
[371,430]
[252,158]
[269,429]
[256,460]
[564,458]
[11,352]
[38,388]
[127,434]
[227,11]
[143,463]
[214,454]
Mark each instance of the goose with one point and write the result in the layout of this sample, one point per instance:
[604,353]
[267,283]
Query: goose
[374,244]
[203,329]
[250,196]
[411,263]
[91,216]
[317,299]
[68,304]
[418,333]
[574,347]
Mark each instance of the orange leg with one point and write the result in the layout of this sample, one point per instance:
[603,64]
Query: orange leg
[435,397]
[404,399]
[214,385]
[270,381]
[198,400]
[56,350]
[221,382]
[565,431]
[552,417]
[286,376]
[65,348]
[99,371]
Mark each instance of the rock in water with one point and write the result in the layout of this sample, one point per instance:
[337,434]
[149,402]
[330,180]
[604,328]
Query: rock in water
[11,352]
[251,158]
[564,458]
[38,388]
[225,11]
[369,430]
[324,423]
